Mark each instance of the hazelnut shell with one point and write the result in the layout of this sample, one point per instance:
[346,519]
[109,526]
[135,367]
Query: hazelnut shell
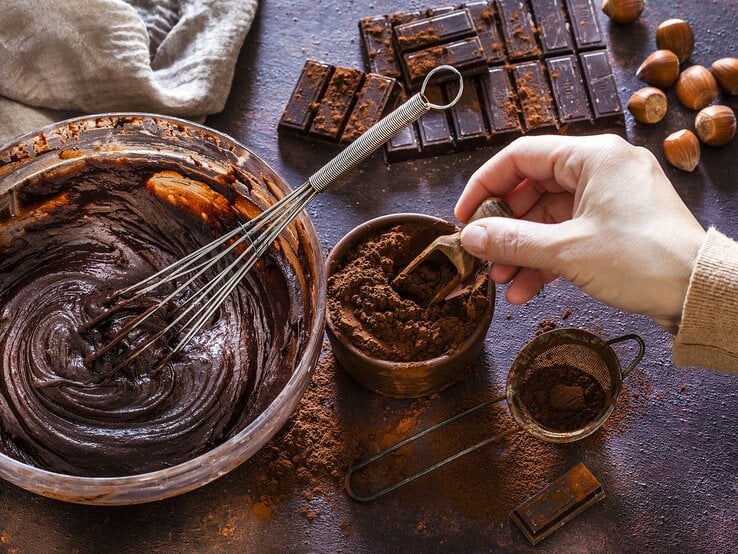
[623,11]
[715,125]
[725,71]
[660,69]
[696,87]
[676,35]
[648,105]
[682,149]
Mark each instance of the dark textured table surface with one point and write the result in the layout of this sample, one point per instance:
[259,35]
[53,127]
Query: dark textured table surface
[668,458]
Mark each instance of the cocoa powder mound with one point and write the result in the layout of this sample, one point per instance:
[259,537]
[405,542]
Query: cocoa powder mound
[379,321]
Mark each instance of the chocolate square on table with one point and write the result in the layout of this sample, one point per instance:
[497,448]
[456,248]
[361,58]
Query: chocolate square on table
[467,116]
[435,131]
[336,104]
[303,103]
[534,95]
[484,16]
[601,85]
[585,24]
[439,29]
[518,30]
[553,28]
[379,49]
[404,145]
[465,55]
[568,88]
[500,102]
[373,101]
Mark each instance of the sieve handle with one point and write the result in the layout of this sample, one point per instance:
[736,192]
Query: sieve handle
[641,351]
[361,465]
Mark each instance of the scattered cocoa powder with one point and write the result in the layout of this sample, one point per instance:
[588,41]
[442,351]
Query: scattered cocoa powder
[368,311]
[562,398]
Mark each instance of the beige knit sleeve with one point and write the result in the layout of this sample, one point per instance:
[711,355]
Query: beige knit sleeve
[708,333]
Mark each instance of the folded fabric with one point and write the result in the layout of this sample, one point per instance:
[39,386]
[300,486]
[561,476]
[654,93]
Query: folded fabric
[167,56]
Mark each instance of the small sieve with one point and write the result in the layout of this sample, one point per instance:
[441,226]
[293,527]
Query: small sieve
[575,350]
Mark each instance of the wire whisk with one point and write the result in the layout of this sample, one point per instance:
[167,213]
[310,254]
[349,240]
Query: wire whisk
[246,243]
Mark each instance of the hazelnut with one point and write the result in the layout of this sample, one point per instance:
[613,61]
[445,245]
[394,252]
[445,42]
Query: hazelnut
[623,11]
[648,105]
[725,72]
[715,125]
[696,87]
[660,69]
[676,35]
[682,149]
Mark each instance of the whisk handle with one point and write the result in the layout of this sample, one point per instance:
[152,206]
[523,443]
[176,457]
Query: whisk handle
[380,133]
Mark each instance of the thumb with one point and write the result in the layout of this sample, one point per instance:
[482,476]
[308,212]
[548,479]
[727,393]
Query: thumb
[516,242]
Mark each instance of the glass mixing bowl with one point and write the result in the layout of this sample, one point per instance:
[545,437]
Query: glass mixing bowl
[115,137]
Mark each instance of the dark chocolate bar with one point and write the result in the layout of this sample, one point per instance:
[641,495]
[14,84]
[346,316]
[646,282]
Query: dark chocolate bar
[535,95]
[299,112]
[585,24]
[405,17]
[484,17]
[553,29]
[501,105]
[405,144]
[465,55]
[379,50]
[432,12]
[372,102]
[467,116]
[558,503]
[568,89]
[447,27]
[518,30]
[336,104]
[435,132]
[601,85]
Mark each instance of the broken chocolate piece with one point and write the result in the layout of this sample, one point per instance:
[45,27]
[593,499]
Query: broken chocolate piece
[301,107]
[467,115]
[585,24]
[558,503]
[483,15]
[336,104]
[440,29]
[553,29]
[518,29]
[601,85]
[372,103]
[568,89]
[465,55]
[435,132]
[501,107]
[379,51]
[535,95]
[405,144]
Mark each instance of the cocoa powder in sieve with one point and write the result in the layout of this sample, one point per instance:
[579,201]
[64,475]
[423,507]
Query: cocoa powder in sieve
[366,309]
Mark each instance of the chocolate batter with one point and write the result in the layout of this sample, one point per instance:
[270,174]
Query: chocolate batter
[77,238]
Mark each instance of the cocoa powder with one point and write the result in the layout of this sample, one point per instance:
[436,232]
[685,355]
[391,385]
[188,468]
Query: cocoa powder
[365,308]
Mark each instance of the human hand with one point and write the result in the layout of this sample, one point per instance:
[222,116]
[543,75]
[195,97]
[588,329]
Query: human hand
[594,210]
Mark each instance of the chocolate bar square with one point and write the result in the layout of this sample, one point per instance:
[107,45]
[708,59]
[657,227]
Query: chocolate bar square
[379,50]
[518,30]
[336,104]
[484,17]
[372,102]
[568,90]
[405,145]
[423,33]
[535,95]
[467,116]
[585,24]
[465,55]
[501,104]
[435,132]
[553,29]
[303,103]
[601,85]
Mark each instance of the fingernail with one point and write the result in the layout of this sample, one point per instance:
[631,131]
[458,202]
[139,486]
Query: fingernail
[474,239]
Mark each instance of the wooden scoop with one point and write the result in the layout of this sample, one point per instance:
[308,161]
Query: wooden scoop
[450,247]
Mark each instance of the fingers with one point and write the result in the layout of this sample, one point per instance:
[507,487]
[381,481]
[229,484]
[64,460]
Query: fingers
[547,160]
[526,284]
[518,242]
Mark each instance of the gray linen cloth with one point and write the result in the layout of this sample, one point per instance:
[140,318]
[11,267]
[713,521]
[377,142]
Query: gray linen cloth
[174,57]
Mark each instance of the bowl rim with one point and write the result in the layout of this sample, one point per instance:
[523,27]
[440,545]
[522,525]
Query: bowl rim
[153,485]
[376,224]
